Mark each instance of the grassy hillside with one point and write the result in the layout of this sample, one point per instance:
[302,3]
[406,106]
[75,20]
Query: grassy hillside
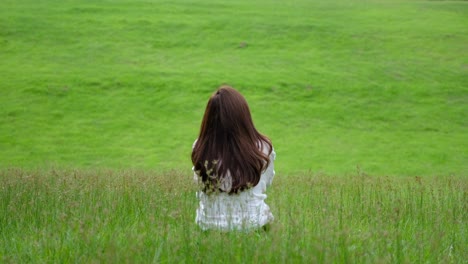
[382,85]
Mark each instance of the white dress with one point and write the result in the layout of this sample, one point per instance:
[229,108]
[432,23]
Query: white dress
[243,211]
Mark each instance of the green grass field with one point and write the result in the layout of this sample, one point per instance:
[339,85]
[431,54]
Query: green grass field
[100,102]
[379,84]
[94,216]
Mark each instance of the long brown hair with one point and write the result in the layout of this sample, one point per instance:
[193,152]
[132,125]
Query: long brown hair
[229,144]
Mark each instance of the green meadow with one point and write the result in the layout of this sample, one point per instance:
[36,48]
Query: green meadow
[133,216]
[365,101]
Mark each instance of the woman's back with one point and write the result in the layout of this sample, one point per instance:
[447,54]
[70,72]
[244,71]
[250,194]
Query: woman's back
[242,211]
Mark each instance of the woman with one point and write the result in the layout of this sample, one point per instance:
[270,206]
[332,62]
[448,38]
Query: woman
[233,165]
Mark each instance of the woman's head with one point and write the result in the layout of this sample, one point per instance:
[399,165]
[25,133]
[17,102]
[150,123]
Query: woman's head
[229,148]
[227,114]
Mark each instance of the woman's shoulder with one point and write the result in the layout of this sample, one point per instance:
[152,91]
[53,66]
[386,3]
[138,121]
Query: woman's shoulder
[267,147]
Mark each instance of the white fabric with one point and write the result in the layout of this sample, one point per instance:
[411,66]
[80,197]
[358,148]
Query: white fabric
[243,211]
